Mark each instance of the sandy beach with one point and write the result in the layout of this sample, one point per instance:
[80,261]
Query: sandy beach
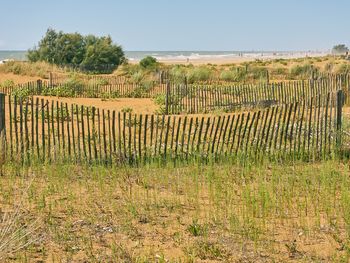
[198,59]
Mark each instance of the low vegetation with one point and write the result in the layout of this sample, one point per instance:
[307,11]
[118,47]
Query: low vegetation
[37,69]
[219,212]
[149,68]
[188,210]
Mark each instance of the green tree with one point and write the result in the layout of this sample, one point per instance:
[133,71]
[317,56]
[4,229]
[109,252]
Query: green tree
[340,49]
[72,49]
[47,48]
[101,51]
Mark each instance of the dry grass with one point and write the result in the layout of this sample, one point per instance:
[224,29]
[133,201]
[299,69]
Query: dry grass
[18,229]
[37,69]
[219,212]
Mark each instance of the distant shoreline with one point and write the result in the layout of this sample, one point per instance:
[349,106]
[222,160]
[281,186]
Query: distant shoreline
[195,57]
[198,59]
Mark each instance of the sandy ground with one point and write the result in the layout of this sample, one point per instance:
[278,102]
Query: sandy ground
[230,60]
[18,79]
[143,105]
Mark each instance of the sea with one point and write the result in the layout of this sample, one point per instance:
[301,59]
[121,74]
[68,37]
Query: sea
[188,55]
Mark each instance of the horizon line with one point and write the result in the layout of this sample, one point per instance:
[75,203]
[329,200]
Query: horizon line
[189,50]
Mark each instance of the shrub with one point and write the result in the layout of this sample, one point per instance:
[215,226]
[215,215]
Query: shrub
[21,93]
[8,83]
[279,71]
[159,100]
[301,70]
[178,74]
[115,94]
[100,81]
[70,88]
[257,72]
[90,53]
[329,67]
[199,74]
[127,109]
[228,75]
[234,74]
[343,68]
[148,62]
[137,77]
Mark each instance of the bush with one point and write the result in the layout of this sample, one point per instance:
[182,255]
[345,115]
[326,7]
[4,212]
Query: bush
[149,63]
[343,68]
[137,77]
[101,81]
[279,71]
[89,53]
[21,93]
[70,88]
[301,70]
[159,100]
[178,74]
[329,67]
[228,75]
[199,74]
[7,83]
[234,74]
[257,72]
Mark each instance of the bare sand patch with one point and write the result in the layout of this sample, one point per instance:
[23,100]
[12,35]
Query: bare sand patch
[138,105]
[17,79]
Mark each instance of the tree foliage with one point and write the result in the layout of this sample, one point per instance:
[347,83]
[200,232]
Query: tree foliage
[89,52]
[149,62]
[340,49]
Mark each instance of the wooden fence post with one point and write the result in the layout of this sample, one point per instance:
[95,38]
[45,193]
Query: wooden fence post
[2,129]
[339,119]
[51,80]
[167,98]
[2,113]
[267,77]
[39,86]
[161,76]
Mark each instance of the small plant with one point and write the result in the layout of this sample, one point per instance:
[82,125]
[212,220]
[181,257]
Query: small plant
[196,229]
[115,94]
[292,249]
[159,100]
[102,82]
[105,96]
[21,93]
[127,110]
[7,83]
[302,71]
[206,250]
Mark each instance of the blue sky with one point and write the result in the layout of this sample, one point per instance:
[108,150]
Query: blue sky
[182,24]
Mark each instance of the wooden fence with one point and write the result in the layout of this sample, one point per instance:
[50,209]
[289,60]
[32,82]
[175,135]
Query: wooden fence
[46,131]
[80,90]
[56,79]
[204,98]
